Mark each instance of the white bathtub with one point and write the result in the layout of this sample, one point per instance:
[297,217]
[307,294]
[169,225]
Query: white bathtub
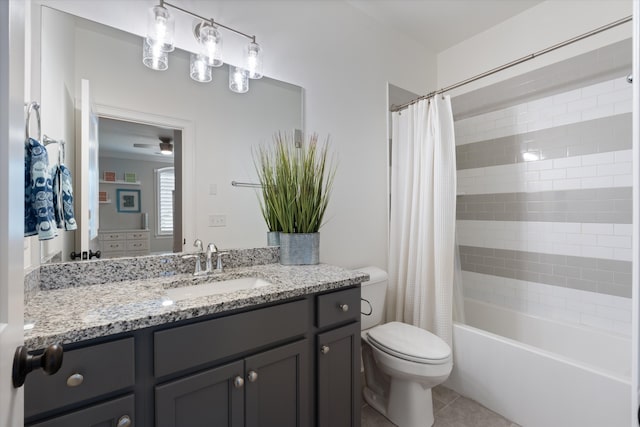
[541,373]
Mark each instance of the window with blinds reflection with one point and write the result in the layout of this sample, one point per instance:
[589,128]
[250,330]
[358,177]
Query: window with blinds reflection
[165,185]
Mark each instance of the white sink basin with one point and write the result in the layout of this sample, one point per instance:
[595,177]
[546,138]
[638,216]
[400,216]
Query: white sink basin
[213,288]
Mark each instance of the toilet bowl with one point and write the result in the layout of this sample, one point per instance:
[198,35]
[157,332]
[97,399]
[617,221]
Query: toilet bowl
[402,363]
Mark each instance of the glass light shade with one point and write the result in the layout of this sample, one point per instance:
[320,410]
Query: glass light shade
[254,61]
[211,44]
[161,28]
[154,57]
[200,71]
[238,79]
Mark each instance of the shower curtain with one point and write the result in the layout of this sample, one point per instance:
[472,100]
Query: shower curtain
[423,214]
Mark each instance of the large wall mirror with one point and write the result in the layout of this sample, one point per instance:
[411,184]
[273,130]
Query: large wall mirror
[211,132]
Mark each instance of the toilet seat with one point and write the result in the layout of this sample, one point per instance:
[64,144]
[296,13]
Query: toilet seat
[410,343]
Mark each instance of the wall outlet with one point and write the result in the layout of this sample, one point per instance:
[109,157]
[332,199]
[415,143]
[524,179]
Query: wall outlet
[217,220]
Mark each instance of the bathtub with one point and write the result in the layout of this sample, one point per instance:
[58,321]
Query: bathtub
[541,373]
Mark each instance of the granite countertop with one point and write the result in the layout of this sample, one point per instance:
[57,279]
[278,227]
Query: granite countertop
[79,313]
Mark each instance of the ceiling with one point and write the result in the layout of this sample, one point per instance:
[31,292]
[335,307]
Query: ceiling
[441,24]
[117,139]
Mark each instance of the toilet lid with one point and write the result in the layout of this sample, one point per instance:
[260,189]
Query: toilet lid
[410,343]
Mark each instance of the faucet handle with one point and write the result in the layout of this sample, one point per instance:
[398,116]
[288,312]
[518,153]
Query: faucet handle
[198,244]
[219,256]
[198,267]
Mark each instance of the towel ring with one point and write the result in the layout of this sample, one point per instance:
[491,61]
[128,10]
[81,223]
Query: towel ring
[33,106]
[370,308]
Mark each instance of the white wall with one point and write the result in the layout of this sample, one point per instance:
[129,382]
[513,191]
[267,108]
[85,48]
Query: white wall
[56,94]
[343,61]
[534,29]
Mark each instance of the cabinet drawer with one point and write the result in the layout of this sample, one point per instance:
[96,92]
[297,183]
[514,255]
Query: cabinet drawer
[112,236]
[337,307]
[137,245]
[104,368]
[113,246]
[138,235]
[103,414]
[197,344]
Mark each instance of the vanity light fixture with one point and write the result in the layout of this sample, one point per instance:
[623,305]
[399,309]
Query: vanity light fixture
[160,40]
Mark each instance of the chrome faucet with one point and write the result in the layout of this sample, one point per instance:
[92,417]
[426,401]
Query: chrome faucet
[211,249]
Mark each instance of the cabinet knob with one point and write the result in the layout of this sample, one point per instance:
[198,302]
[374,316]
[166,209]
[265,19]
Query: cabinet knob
[124,421]
[75,380]
[344,307]
[252,376]
[49,361]
[238,382]
[324,349]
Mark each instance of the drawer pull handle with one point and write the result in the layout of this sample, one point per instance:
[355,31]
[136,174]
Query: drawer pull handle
[75,380]
[324,349]
[124,421]
[344,307]
[252,376]
[238,382]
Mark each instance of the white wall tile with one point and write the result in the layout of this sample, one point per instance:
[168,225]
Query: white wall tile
[619,168]
[559,238]
[582,104]
[567,162]
[598,89]
[597,113]
[581,308]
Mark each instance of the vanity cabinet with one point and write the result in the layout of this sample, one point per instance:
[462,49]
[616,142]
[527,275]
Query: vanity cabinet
[290,363]
[265,389]
[338,359]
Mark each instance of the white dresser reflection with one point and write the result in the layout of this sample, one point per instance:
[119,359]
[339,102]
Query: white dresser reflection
[120,243]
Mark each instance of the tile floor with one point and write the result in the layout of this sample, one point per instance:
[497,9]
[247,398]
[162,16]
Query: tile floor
[450,409]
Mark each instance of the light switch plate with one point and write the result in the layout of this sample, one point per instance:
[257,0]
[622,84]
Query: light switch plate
[217,220]
[213,189]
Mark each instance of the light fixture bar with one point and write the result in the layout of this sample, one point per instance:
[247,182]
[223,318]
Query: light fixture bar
[211,20]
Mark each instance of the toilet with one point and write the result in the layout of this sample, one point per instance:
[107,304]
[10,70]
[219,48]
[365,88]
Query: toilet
[402,363]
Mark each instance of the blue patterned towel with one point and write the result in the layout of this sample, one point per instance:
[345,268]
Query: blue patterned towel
[63,198]
[39,217]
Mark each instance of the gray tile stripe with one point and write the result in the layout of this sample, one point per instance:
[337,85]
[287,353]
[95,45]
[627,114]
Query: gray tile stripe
[597,205]
[589,137]
[587,274]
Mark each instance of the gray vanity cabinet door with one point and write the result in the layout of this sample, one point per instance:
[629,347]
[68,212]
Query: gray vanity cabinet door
[338,377]
[277,387]
[210,398]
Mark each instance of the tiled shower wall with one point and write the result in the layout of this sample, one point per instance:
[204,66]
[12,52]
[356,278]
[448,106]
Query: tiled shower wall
[544,204]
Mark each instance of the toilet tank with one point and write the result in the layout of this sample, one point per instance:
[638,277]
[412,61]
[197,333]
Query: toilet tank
[374,291]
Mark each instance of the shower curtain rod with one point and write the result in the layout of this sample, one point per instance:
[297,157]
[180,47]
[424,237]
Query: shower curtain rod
[395,108]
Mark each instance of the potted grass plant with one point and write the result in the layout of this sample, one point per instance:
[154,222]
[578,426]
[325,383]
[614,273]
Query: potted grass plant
[296,184]
[265,168]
